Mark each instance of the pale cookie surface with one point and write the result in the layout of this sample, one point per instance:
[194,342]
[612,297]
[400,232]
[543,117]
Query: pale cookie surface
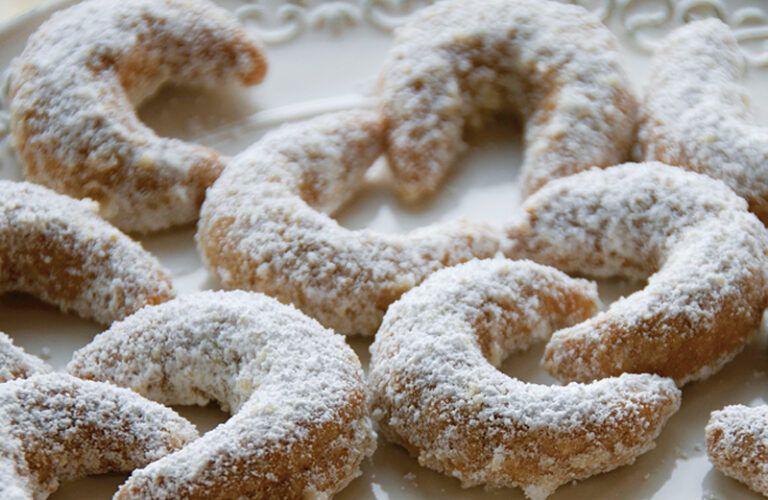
[696,115]
[737,444]
[300,425]
[73,91]
[457,62]
[60,250]
[264,226]
[436,389]
[702,252]
[59,428]
[15,363]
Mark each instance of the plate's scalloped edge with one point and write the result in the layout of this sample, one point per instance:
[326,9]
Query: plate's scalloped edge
[749,23]
[280,21]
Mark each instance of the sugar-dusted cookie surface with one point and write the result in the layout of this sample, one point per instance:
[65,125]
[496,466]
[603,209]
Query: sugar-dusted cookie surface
[737,444]
[57,428]
[15,363]
[695,113]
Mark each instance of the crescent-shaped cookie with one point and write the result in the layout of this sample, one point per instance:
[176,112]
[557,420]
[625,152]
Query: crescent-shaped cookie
[703,254]
[457,62]
[696,115]
[437,392]
[74,87]
[264,227]
[299,427]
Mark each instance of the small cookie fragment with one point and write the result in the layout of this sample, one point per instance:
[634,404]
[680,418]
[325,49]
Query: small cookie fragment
[737,444]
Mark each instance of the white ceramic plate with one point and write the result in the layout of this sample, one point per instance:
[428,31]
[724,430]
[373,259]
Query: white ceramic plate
[324,56]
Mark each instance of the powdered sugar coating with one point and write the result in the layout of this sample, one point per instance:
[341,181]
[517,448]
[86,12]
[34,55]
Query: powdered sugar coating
[737,444]
[15,363]
[696,114]
[437,392]
[60,250]
[72,92]
[456,62]
[704,256]
[300,424]
[57,427]
[262,226]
